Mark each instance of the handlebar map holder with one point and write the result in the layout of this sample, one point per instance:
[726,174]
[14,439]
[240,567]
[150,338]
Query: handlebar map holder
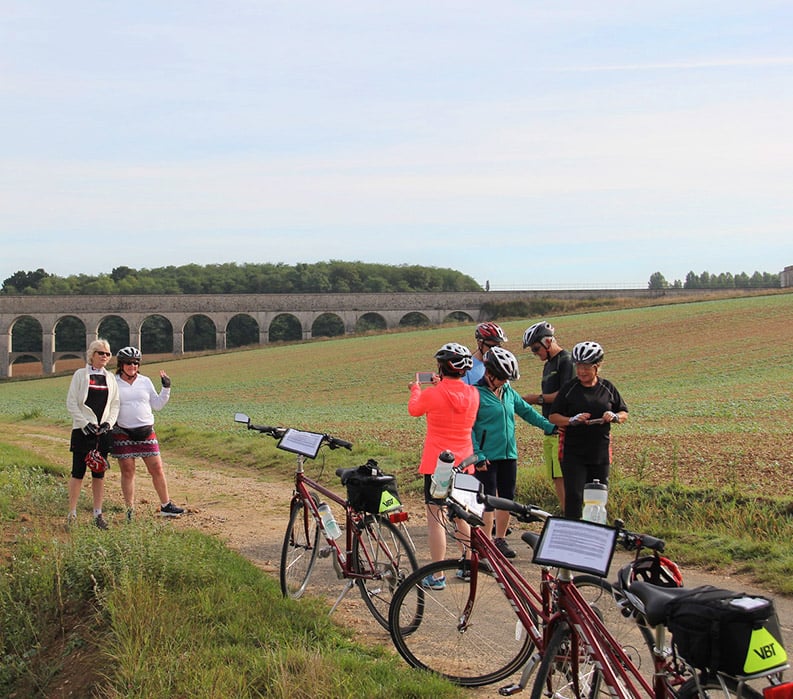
[577,545]
[465,490]
[304,443]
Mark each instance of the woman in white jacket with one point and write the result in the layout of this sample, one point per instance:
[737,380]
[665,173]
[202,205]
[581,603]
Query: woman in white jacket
[92,402]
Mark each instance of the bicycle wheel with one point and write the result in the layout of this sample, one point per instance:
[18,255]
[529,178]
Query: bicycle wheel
[620,619]
[567,671]
[299,552]
[493,644]
[711,688]
[381,552]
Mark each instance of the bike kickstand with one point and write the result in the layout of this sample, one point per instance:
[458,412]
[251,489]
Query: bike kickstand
[347,587]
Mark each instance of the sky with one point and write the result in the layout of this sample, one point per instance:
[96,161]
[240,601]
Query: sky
[529,144]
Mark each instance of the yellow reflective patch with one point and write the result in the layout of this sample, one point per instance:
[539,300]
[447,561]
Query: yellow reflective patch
[388,502]
[764,652]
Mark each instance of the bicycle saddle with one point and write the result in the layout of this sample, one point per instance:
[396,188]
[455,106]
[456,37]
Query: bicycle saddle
[656,599]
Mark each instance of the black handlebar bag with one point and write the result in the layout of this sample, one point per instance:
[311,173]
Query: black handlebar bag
[371,490]
[732,632]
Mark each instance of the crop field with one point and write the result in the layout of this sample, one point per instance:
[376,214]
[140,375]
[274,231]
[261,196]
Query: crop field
[708,387]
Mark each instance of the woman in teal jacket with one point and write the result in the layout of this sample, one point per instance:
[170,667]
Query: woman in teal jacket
[493,435]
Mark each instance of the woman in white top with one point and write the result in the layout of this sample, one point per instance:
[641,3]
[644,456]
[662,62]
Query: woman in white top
[92,402]
[134,435]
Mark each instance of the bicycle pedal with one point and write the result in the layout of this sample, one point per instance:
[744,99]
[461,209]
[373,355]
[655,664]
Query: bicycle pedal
[325,551]
[510,690]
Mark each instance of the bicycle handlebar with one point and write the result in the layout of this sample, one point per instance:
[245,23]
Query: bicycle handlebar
[278,432]
[631,541]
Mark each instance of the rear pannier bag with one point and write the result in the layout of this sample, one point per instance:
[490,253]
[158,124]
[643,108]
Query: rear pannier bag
[732,632]
[371,490]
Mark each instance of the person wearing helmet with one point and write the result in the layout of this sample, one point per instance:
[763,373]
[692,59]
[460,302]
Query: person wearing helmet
[558,369]
[585,409]
[449,407]
[487,335]
[133,435]
[494,436]
[92,402]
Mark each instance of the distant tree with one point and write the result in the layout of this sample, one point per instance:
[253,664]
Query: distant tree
[24,282]
[657,281]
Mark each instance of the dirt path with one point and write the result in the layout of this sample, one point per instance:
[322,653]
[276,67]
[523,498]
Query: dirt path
[250,515]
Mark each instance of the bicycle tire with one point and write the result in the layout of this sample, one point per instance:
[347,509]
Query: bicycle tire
[555,677]
[493,646]
[390,560]
[299,551]
[710,688]
[623,622]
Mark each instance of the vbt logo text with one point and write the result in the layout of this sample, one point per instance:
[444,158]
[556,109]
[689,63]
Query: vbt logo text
[766,651]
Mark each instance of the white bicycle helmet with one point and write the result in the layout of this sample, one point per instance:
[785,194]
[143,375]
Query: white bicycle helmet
[536,332]
[502,364]
[588,353]
[454,359]
[128,354]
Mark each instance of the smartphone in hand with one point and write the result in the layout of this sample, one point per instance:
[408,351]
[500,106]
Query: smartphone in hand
[425,376]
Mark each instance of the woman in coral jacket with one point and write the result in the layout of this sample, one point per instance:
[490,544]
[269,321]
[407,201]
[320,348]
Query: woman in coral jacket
[450,408]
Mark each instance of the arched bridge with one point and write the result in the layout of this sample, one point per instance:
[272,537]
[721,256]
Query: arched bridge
[376,310]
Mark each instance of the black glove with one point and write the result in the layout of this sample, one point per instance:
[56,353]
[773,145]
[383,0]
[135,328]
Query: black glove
[166,382]
[90,429]
[104,428]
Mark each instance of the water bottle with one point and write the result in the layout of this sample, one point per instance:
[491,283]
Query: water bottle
[439,486]
[326,515]
[595,496]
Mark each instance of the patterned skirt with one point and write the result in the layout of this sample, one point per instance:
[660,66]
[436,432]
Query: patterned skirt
[124,447]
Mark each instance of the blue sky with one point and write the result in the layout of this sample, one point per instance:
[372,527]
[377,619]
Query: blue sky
[531,144]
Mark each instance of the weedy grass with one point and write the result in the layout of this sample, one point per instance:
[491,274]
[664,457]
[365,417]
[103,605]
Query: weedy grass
[145,610]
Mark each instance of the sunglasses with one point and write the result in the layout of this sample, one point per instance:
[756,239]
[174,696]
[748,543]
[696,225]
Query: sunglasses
[536,349]
[104,354]
[131,361]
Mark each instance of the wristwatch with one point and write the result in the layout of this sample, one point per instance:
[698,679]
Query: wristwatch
[540,399]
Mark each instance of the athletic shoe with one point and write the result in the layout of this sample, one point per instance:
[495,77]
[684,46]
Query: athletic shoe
[431,583]
[464,571]
[99,521]
[130,514]
[71,521]
[171,510]
[504,547]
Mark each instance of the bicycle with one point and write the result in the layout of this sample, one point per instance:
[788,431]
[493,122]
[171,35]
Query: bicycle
[468,632]
[376,553]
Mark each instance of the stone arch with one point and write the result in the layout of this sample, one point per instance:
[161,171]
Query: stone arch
[25,364]
[156,335]
[70,334]
[26,327]
[199,333]
[327,325]
[285,327]
[115,330]
[414,319]
[370,322]
[458,317]
[241,330]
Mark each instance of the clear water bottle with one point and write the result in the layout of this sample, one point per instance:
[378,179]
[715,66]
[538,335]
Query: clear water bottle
[439,485]
[595,496]
[328,521]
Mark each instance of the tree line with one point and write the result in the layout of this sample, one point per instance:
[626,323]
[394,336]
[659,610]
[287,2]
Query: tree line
[725,280]
[230,278]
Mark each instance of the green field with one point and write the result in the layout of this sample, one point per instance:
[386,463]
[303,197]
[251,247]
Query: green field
[707,385]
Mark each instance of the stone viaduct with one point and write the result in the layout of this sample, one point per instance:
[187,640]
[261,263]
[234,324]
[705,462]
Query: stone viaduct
[388,310]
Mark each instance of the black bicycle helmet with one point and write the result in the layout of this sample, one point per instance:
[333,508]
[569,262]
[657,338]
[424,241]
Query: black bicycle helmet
[489,332]
[454,359]
[656,570]
[588,353]
[128,354]
[502,364]
[536,332]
